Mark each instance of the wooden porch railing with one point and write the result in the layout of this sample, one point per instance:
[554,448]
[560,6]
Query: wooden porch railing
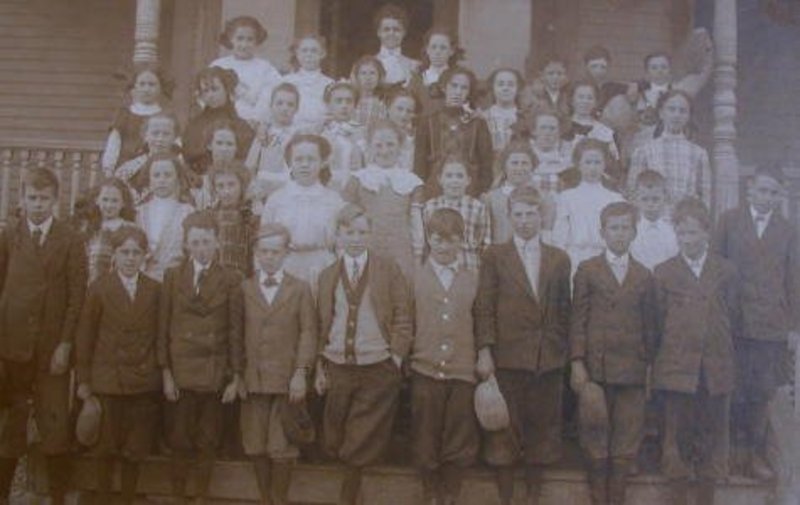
[77,169]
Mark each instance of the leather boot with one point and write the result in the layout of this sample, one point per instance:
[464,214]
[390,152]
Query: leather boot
[203,479]
[598,482]
[505,484]
[105,479]
[351,487]
[179,474]
[130,479]
[58,475]
[281,480]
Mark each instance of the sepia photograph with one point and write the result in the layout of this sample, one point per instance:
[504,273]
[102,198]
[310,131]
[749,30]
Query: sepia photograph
[399,252]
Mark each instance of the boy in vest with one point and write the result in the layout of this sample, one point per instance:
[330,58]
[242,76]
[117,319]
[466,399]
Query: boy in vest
[366,326]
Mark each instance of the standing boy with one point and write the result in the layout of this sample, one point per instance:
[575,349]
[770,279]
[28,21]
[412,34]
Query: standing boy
[42,285]
[762,245]
[522,324]
[365,330]
[116,362]
[199,349]
[445,433]
[280,343]
[697,300]
[611,339]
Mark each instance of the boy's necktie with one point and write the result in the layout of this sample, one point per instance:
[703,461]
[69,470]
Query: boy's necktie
[270,281]
[36,236]
[355,272]
[200,278]
[761,224]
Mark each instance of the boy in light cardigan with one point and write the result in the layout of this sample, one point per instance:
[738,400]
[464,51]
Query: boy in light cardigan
[365,334]
[445,434]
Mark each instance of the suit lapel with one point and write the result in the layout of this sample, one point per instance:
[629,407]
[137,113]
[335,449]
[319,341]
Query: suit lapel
[143,294]
[282,293]
[253,291]
[513,262]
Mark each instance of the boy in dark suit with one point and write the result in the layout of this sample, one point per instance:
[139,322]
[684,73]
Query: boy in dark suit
[199,349]
[522,325]
[116,362]
[445,433]
[762,245]
[698,313]
[280,345]
[42,285]
[365,333]
[611,339]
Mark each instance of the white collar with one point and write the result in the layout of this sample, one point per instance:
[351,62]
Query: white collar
[653,223]
[361,259]
[432,74]
[613,259]
[293,188]
[438,267]
[142,109]
[674,136]
[402,182]
[385,52]
[199,266]
[301,72]
[113,224]
[129,281]
[522,244]
[754,214]
[699,262]
[44,226]
[262,276]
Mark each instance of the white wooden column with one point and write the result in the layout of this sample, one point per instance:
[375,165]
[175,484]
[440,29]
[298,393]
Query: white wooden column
[725,161]
[145,49]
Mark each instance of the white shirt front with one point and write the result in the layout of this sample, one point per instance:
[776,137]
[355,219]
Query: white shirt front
[445,273]
[760,220]
[269,292]
[355,266]
[618,264]
[530,251]
[397,66]
[655,242]
[199,268]
[130,284]
[696,264]
[44,227]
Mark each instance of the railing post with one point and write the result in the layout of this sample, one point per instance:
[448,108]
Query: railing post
[726,163]
[145,49]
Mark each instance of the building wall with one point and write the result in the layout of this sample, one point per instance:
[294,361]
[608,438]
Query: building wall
[495,34]
[57,61]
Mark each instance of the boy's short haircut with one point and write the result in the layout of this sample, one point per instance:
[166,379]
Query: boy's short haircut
[349,213]
[454,159]
[40,178]
[517,146]
[128,232]
[596,52]
[447,223]
[651,179]
[170,116]
[390,11]
[551,59]
[524,194]
[772,170]
[201,219]
[273,230]
[617,209]
[657,54]
[285,87]
[691,207]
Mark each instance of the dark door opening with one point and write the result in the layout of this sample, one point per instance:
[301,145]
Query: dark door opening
[347,25]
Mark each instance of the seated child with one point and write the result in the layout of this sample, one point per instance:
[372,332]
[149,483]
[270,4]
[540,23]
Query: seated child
[159,133]
[162,213]
[655,240]
[256,76]
[612,333]
[234,217]
[577,225]
[307,52]
[365,334]
[279,347]
[445,437]
[518,163]
[454,180]
[199,351]
[694,369]
[265,160]
[148,88]
[116,362]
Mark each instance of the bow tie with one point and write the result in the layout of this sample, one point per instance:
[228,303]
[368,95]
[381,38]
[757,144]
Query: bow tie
[270,281]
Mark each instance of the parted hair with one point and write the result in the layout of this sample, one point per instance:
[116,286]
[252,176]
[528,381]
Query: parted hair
[617,209]
[40,178]
[128,232]
[242,21]
[524,194]
[201,219]
[447,223]
[349,213]
[267,230]
[691,207]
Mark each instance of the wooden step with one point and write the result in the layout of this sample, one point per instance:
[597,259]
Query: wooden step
[233,482]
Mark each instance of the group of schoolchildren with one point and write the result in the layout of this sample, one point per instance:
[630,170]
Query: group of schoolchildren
[310,236]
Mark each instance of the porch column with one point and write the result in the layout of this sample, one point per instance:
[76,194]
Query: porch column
[145,49]
[725,161]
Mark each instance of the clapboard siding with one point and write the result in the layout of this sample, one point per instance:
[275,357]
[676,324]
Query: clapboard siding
[630,32]
[57,61]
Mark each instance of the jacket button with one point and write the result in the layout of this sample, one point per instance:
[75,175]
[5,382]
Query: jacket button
[446,317]
[446,300]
